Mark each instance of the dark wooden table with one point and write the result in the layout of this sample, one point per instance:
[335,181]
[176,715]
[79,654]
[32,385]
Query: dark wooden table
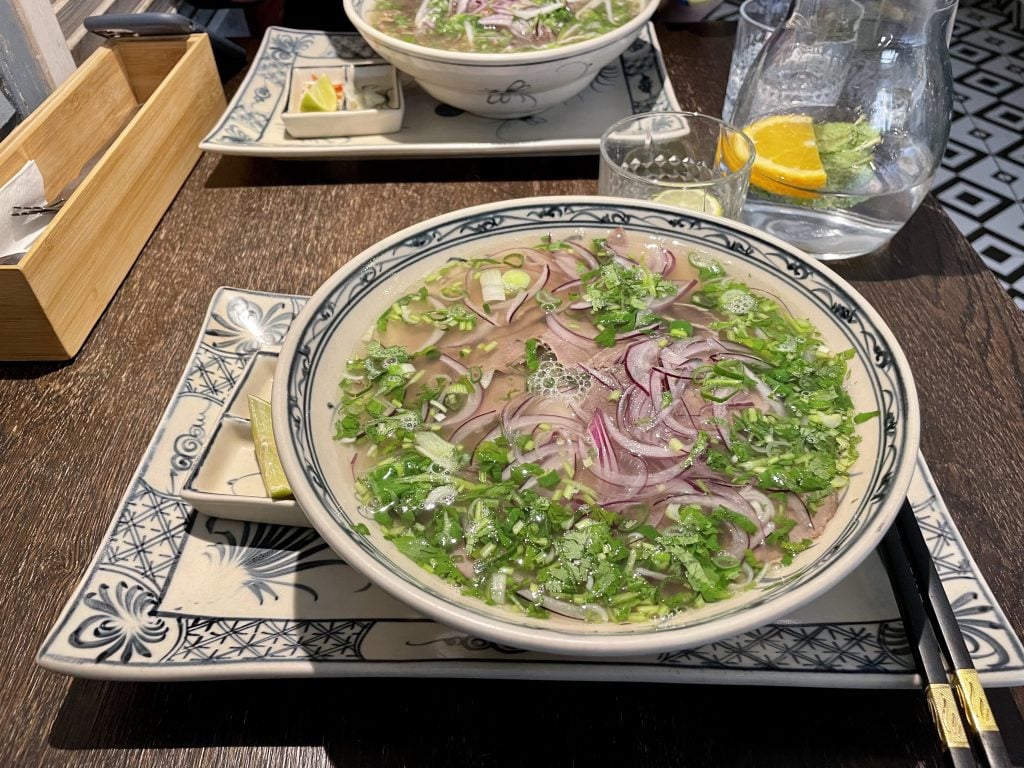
[72,434]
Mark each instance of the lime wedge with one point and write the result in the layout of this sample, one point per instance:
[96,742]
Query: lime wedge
[266,449]
[320,97]
[690,199]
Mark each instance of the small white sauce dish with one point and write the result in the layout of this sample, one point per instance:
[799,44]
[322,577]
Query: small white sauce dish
[371,101]
[258,379]
[225,480]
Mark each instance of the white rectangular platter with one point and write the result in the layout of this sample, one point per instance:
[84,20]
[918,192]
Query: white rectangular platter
[174,594]
[252,124]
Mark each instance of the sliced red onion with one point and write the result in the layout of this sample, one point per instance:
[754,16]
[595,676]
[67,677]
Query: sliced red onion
[586,612]
[519,423]
[672,374]
[514,306]
[730,498]
[536,456]
[638,448]
[567,286]
[677,426]
[472,424]
[640,359]
[566,263]
[508,414]
[629,482]
[660,259]
[660,304]
[455,365]
[585,254]
[654,479]
[736,541]
[635,332]
[603,377]
[656,386]
[618,242]
[603,445]
[477,310]
[565,333]
[681,352]
[529,293]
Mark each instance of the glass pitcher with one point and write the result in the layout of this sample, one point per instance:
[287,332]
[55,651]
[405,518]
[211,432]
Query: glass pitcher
[849,107]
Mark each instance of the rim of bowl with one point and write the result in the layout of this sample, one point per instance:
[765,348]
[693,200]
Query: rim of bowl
[743,170]
[651,638]
[368,31]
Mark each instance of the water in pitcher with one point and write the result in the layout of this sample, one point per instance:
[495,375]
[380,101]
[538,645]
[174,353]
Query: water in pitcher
[858,220]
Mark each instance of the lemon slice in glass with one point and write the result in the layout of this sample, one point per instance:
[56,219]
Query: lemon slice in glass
[320,97]
[691,199]
[266,449]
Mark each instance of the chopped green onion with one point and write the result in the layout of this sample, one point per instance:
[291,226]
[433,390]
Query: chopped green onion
[515,281]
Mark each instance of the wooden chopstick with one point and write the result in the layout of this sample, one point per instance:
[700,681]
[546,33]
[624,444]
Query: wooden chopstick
[971,694]
[941,700]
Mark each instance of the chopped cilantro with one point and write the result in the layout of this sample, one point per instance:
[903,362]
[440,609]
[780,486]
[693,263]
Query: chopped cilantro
[513,531]
[620,297]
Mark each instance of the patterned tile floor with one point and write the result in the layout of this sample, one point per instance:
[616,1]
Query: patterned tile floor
[981,181]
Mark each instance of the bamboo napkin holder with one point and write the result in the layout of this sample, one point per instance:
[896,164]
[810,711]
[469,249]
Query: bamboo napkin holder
[140,106]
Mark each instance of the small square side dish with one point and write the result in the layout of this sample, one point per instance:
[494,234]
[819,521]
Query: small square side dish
[370,101]
[226,480]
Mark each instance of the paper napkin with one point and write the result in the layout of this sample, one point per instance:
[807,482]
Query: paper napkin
[17,233]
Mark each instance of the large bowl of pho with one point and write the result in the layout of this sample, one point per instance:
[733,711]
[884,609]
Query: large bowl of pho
[595,425]
[500,58]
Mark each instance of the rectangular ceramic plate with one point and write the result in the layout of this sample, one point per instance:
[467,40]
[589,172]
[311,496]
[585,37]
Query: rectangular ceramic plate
[252,124]
[175,594]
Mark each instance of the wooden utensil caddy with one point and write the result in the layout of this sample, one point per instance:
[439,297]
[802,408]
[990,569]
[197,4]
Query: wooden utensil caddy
[141,106]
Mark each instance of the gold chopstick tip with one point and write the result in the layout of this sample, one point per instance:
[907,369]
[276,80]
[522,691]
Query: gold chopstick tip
[974,702]
[944,711]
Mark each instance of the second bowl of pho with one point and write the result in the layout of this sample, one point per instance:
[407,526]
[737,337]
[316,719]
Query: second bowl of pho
[595,425]
[500,58]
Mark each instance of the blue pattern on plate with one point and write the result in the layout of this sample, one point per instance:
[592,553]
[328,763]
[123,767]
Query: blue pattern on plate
[259,101]
[284,600]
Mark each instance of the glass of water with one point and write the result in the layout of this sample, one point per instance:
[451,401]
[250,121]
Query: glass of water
[684,159]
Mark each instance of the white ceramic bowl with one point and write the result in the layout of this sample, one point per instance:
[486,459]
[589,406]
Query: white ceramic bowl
[337,317]
[501,85]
